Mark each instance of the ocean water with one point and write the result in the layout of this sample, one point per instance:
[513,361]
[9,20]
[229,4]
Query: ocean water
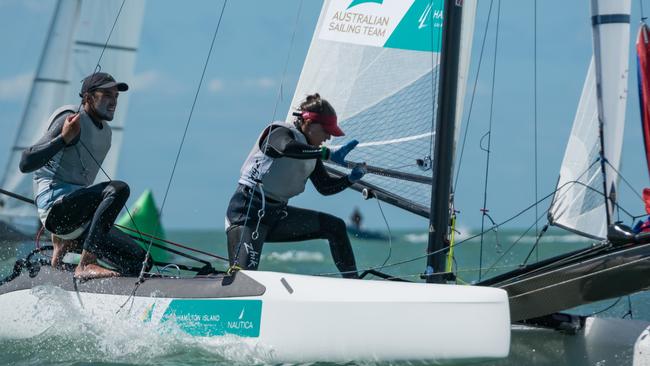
[83,339]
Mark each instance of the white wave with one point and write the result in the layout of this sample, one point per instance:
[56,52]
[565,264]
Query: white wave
[417,238]
[87,334]
[295,256]
[423,237]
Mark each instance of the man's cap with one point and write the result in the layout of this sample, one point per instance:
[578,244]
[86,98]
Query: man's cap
[101,80]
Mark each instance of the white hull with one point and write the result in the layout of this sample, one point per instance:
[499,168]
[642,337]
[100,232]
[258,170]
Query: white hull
[299,318]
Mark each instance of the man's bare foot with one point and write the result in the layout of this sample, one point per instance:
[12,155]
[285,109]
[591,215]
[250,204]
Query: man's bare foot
[93,270]
[89,269]
[61,247]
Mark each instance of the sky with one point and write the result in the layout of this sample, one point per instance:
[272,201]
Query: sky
[245,75]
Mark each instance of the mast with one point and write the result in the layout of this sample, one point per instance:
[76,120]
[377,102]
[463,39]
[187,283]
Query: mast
[444,141]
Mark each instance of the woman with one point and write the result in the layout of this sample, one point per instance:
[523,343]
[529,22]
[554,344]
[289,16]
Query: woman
[277,168]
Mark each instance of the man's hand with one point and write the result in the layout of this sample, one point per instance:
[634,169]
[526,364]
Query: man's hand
[71,128]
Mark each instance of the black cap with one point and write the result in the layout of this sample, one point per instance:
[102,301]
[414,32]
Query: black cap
[101,80]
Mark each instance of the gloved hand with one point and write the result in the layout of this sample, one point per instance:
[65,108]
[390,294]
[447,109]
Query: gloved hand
[357,173]
[338,155]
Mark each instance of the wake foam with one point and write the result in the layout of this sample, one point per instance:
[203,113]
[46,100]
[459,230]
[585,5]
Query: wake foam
[73,334]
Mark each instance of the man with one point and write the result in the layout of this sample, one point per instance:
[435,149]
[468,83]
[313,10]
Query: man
[284,157]
[65,162]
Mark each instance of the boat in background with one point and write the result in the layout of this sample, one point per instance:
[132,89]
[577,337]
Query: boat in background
[76,38]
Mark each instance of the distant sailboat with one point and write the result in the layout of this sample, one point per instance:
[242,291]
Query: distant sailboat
[76,38]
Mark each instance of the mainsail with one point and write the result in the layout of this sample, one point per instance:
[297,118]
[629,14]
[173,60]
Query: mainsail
[377,63]
[77,36]
[580,203]
[118,58]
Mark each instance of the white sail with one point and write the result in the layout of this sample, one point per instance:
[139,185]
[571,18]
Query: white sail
[377,63]
[48,93]
[579,204]
[118,59]
[76,39]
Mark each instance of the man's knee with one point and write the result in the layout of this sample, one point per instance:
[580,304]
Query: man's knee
[121,188]
[117,189]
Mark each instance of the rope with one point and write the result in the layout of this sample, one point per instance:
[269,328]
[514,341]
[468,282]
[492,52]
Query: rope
[187,125]
[489,133]
[235,266]
[471,103]
[643,18]
[286,62]
[435,61]
[515,216]
[390,234]
[536,178]
[173,243]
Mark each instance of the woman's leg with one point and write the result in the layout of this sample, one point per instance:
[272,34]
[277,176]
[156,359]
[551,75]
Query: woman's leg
[300,224]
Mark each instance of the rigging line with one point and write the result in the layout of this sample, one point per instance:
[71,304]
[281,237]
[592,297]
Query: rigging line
[607,308]
[616,205]
[95,71]
[390,234]
[575,180]
[629,185]
[173,243]
[128,212]
[471,104]
[435,76]
[109,36]
[489,133]
[538,237]
[286,63]
[187,125]
[466,240]
[536,178]
[641,7]
[629,308]
[507,251]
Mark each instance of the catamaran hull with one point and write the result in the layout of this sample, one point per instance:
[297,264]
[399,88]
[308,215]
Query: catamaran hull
[578,279]
[293,318]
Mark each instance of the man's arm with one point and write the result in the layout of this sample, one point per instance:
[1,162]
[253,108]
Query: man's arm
[51,143]
[325,183]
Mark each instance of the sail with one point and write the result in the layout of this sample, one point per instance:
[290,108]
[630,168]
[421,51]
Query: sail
[377,63]
[579,204]
[643,77]
[48,93]
[76,39]
[118,58]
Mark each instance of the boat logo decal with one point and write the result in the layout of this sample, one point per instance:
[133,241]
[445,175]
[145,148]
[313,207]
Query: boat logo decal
[357,2]
[208,317]
[402,24]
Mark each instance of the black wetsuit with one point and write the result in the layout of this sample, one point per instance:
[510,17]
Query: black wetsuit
[284,223]
[72,205]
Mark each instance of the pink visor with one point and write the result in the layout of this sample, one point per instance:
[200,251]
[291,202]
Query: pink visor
[328,122]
